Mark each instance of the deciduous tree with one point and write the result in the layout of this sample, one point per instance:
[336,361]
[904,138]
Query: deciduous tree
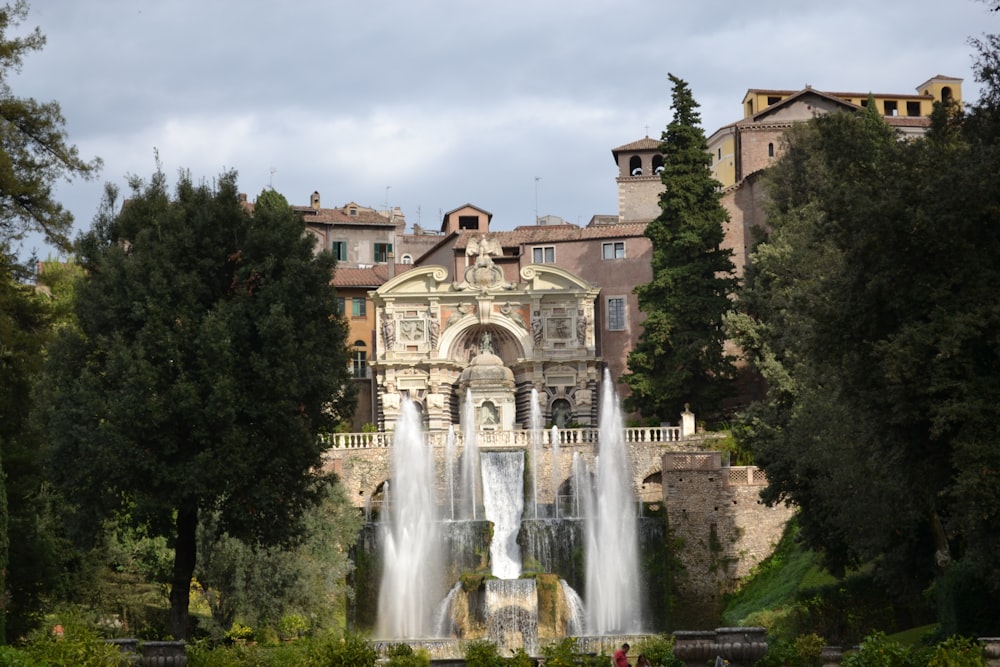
[871,310]
[208,358]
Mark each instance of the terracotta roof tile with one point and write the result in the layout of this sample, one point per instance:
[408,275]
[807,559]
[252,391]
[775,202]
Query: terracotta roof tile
[346,276]
[641,145]
[341,216]
[555,234]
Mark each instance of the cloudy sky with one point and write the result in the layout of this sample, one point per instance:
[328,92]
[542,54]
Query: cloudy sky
[429,104]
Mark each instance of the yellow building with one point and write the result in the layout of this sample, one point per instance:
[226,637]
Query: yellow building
[742,150]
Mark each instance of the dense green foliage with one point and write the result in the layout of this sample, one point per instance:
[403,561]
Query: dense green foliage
[34,561]
[680,357]
[206,359]
[871,311]
[34,155]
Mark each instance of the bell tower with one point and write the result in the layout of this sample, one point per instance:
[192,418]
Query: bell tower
[639,166]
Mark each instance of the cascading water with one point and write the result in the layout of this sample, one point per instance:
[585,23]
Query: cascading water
[449,459]
[575,612]
[555,471]
[470,460]
[411,539]
[612,544]
[503,503]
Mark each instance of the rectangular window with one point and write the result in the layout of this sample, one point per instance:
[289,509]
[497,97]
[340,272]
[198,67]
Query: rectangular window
[913,108]
[890,107]
[358,307]
[341,305]
[382,252]
[359,363]
[616,313]
[614,250]
[543,254]
[339,250]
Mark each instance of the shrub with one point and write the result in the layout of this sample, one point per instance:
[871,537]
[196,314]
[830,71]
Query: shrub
[482,653]
[659,651]
[877,651]
[956,652]
[350,651]
[403,655]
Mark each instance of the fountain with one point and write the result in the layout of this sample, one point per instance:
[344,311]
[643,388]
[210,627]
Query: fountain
[612,540]
[434,536]
[411,536]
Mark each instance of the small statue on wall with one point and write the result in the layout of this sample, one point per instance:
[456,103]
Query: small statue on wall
[433,329]
[390,399]
[388,331]
[583,394]
[536,329]
[581,328]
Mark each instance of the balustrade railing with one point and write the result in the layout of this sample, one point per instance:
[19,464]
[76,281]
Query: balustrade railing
[517,439]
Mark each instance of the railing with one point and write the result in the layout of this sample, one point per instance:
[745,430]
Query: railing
[518,439]
[746,476]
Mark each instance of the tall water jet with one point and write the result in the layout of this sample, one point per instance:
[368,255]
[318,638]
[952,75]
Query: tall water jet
[470,459]
[612,549]
[535,424]
[410,589]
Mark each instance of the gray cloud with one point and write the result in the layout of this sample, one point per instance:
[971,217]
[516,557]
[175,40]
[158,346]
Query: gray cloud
[448,101]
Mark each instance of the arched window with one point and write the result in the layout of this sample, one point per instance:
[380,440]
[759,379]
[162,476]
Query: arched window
[770,150]
[657,164]
[406,259]
[635,165]
[359,360]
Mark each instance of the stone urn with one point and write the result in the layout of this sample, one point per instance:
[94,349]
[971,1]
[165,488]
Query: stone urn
[696,648]
[742,647]
[164,654]
[831,656]
[991,650]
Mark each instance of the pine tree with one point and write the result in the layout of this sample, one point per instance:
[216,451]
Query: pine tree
[680,357]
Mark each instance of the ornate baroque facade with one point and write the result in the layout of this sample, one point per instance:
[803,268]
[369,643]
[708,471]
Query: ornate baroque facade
[439,337]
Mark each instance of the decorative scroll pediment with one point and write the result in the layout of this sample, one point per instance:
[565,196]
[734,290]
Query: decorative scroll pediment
[419,280]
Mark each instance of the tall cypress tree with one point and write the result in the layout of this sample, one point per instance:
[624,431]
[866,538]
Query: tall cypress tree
[680,356]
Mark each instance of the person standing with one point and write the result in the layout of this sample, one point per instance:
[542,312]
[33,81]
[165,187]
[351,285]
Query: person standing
[621,656]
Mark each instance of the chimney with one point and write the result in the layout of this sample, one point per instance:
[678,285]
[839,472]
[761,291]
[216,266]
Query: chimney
[314,201]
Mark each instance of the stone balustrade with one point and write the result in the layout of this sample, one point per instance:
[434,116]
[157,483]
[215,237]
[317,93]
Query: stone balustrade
[516,439]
